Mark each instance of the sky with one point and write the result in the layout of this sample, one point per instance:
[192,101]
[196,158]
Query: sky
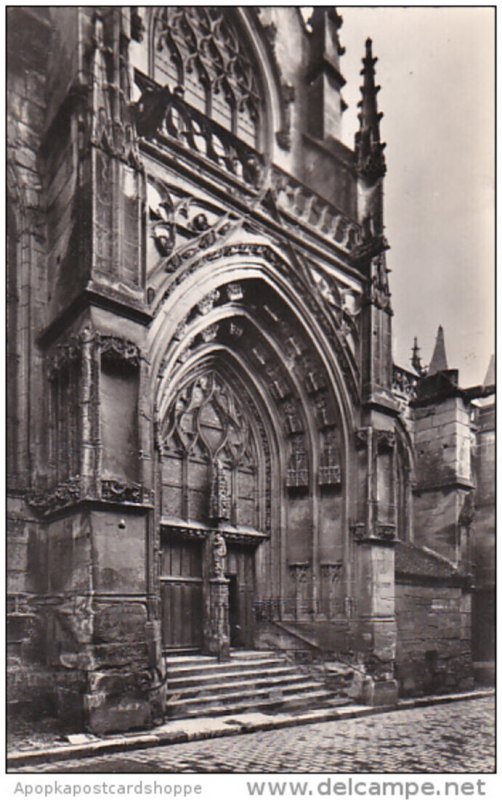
[436,70]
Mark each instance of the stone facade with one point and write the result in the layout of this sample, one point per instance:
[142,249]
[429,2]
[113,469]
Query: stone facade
[207,436]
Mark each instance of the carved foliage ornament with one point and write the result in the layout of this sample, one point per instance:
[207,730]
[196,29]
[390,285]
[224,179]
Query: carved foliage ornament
[112,348]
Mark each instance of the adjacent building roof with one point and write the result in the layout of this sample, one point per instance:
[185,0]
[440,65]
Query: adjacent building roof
[421,562]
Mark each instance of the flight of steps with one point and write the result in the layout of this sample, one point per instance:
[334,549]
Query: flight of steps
[253,680]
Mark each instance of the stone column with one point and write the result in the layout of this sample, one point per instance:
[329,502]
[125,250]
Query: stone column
[216,624]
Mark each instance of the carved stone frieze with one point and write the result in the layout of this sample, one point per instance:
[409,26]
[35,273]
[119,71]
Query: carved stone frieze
[117,491]
[383,532]
[57,497]
[116,350]
[112,349]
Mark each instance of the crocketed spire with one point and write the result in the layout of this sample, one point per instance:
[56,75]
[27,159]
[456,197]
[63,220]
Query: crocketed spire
[369,148]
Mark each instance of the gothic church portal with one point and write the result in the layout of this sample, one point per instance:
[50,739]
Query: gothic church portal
[210,446]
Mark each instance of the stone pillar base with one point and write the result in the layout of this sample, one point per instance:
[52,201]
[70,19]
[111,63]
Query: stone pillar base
[107,714]
[379,693]
[217,629]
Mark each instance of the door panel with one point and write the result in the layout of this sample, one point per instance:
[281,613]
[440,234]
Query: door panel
[181,593]
[240,571]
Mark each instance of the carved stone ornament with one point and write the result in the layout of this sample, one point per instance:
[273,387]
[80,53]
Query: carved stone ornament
[404,383]
[371,165]
[358,531]
[210,333]
[300,571]
[379,292]
[64,494]
[66,353]
[362,437]
[298,473]
[330,473]
[385,440]
[112,348]
[115,349]
[386,532]
[120,492]
[207,303]
[234,292]
[219,501]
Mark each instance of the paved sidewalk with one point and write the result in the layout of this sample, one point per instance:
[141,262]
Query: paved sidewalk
[47,749]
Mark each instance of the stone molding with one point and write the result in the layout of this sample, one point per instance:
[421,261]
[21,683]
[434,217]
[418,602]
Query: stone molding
[72,491]
[112,348]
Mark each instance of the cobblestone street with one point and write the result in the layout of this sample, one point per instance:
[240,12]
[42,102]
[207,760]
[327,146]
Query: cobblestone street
[458,737]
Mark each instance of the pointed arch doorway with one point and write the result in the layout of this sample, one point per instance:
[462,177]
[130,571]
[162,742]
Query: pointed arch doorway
[215,512]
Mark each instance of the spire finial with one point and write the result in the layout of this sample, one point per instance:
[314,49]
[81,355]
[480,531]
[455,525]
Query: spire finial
[369,148]
[416,359]
[439,362]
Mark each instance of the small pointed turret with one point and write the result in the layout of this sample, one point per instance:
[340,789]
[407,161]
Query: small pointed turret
[439,362]
[369,149]
[490,373]
[416,359]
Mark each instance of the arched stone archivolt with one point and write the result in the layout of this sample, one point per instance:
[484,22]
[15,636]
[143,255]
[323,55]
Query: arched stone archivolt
[245,262]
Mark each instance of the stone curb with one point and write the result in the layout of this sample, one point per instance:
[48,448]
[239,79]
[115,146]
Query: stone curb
[124,743]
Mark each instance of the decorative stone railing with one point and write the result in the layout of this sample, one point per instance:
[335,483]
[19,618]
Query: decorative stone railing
[404,383]
[313,211]
[162,114]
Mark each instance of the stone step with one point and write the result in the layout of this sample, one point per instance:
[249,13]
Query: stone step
[203,686]
[318,699]
[214,667]
[252,693]
[241,656]
[227,676]
[238,683]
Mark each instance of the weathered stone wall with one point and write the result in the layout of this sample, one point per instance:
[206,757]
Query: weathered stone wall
[442,437]
[483,542]
[433,638]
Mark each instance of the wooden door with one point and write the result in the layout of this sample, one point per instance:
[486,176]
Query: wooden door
[181,593]
[241,573]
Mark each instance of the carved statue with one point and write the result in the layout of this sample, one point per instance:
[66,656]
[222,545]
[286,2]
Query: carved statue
[219,553]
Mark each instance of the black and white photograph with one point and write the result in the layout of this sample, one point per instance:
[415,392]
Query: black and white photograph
[250,400]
